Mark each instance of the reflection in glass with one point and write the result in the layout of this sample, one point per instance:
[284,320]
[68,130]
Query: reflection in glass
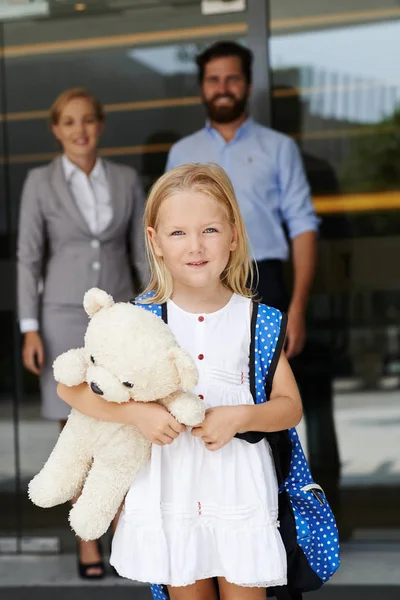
[337,92]
[152,99]
[168,60]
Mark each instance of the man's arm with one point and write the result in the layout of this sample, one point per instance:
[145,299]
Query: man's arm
[300,218]
[304,255]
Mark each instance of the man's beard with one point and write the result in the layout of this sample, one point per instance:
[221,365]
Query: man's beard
[225,114]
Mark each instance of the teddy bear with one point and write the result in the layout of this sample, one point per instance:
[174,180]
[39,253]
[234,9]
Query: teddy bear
[129,354]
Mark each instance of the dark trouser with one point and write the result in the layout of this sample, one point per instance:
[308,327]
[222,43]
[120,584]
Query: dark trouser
[313,373]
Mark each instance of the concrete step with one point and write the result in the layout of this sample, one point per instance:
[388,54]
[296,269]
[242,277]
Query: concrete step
[369,571]
[141,593]
[75,593]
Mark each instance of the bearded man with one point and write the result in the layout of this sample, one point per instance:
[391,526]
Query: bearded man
[267,173]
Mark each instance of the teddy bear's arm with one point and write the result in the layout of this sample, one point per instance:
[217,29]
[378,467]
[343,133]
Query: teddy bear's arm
[70,368]
[187,408]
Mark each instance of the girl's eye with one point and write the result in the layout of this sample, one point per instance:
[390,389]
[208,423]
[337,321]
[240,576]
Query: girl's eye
[128,384]
[210,230]
[92,359]
[177,233]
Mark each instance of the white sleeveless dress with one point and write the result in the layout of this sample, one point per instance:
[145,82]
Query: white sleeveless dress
[191,513]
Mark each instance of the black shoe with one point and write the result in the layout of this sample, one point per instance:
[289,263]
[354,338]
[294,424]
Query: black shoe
[84,568]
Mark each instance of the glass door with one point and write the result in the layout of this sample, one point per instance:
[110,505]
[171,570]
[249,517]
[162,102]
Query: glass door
[9,450]
[138,59]
[336,91]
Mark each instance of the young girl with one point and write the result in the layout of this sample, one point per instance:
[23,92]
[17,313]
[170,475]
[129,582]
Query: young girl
[204,509]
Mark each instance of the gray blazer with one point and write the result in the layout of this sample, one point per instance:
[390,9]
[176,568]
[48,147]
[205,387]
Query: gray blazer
[52,227]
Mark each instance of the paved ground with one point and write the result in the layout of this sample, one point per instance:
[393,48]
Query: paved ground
[327,593]
[368,427]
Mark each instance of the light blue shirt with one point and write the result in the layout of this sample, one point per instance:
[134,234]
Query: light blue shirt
[267,174]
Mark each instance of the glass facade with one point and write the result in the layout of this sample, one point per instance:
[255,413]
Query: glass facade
[139,62]
[336,92]
[334,87]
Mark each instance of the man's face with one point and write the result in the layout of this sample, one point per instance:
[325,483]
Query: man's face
[225,89]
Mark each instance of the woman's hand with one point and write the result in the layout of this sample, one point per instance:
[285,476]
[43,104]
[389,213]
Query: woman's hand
[221,424]
[154,421]
[32,352]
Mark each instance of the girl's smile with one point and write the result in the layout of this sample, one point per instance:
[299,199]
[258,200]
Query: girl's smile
[200,263]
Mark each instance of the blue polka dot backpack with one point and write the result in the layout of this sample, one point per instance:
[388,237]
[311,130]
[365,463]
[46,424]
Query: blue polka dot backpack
[307,525]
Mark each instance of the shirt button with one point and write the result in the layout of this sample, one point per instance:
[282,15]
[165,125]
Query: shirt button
[96,266]
[201,319]
[201,396]
[200,356]
[95,244]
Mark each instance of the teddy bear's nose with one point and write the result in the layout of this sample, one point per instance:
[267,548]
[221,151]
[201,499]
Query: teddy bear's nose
[95,388]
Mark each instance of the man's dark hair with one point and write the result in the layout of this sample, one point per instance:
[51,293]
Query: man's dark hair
[221,50]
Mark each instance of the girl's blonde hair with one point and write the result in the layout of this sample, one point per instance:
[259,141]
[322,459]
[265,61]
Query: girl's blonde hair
[212,181]
[62,100]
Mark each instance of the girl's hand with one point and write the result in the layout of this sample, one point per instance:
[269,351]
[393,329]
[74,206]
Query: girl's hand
[221,424]
[154,421]
[32,352]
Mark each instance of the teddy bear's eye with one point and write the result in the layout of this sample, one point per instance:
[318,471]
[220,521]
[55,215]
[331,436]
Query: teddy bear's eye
[128,384]
[92,359]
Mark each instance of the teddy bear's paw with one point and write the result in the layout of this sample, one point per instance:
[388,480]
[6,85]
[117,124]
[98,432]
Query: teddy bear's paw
[43,492]
[188,409]
[70,368]
[88,526]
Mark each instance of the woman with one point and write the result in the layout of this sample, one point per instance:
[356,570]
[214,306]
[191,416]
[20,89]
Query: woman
[81,218]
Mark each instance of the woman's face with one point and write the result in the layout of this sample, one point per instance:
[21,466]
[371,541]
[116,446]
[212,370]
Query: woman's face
[78,129]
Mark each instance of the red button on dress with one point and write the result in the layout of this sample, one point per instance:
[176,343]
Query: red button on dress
[201,396]
[201,319]
[200,356]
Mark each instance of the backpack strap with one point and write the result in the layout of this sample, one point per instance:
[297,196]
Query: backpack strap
[164,312]
[254,314]
[276,357]
[253,437]
[157,308]
[277,352]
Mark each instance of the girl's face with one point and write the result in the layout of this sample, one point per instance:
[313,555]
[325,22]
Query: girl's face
[194,237]
[78,129]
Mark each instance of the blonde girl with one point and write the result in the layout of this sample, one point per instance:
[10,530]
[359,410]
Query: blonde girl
[201,518]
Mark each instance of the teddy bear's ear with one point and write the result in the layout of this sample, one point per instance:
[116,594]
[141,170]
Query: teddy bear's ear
[186,368]
[95,300]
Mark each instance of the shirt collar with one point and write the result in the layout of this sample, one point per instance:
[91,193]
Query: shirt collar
[245,126]
[98,172]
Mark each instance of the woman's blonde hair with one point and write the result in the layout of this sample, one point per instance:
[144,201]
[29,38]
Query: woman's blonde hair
[212,181]
[62,100]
